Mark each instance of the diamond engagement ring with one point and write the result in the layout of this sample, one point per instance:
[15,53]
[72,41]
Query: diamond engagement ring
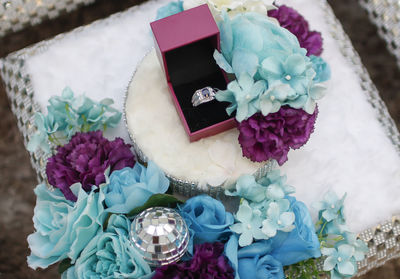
[203,95]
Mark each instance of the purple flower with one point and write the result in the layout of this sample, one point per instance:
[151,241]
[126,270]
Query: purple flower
[290,19]
[208,262]
[84,159]
[270,137]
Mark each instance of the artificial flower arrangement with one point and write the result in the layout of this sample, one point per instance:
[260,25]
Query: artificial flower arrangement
[83,222]
[277,73]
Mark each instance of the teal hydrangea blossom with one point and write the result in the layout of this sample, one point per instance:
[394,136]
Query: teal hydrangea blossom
[170,9]
[341,247]
[243,95]
[340,261]
[360,247]
[67,115]
[110,255]
[272,99]
[267,196]
[254,45]
[271,187]
[45,126]
[63,228]
[321,68]
[129,188]
[277,220]
[248,225]
[246,187]
[331,207]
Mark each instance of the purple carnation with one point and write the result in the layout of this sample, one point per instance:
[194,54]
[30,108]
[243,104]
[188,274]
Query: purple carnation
[208,262]
[270,137]
[290,19]
[84,159]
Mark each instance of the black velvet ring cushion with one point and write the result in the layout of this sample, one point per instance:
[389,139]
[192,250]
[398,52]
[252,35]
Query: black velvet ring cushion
[190,68]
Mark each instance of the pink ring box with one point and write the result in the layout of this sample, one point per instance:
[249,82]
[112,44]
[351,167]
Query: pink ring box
[185,43]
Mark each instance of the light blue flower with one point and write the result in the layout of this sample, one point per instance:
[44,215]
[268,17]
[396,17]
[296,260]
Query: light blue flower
[360,247]
[260,267]
[272,187]
[63,228]
[272,99]
[275,178]
[293,69]
[110,255]
[207,220]
[331,207]
[321,68]
[301,243]
[243,95]
[129,188]
[45,126]
[249,38]
[340,259]
[277,220]
[246,187]
[253,261]
[170,9]
[254,45]
[335,227]
[249,225]
[67,115]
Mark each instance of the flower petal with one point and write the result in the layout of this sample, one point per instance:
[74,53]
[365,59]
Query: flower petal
[329,263]
[246,238]
[346,268]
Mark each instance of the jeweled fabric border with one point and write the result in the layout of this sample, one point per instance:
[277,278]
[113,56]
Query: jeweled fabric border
[18,14]
[385,14]
[383,240]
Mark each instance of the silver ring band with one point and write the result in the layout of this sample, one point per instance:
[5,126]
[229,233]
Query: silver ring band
[203,95]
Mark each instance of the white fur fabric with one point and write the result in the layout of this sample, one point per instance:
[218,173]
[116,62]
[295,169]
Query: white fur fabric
[349,151]
[157,129]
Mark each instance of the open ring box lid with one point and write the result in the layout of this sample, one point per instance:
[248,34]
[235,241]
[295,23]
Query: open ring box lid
[185,43]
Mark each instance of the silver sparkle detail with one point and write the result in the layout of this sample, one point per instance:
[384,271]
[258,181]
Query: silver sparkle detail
[160,235]
[203,95]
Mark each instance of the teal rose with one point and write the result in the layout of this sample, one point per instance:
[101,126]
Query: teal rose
[206,219]
[253,261]
[129,188]
[109,255]
[170,9]
[63,228]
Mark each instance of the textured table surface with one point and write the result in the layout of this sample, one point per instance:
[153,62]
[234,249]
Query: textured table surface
[18,179]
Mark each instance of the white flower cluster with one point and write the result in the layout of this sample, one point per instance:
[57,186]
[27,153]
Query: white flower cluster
[232,7]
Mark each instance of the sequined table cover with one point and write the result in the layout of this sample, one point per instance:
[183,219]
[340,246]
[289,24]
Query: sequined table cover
[18,14]
[383,240]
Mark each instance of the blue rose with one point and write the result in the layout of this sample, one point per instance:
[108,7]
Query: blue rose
[301,243]
[254,262]
[63,228]
[110,255]
[132,187]
[207,220]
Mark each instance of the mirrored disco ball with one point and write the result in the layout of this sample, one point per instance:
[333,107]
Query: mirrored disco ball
[161,236]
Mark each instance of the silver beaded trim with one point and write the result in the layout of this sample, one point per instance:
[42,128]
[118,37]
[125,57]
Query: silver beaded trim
[18,14]
[385,14]
[383,240]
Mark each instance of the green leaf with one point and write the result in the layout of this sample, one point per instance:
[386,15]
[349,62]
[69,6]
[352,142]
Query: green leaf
[64,265]
[163,200]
